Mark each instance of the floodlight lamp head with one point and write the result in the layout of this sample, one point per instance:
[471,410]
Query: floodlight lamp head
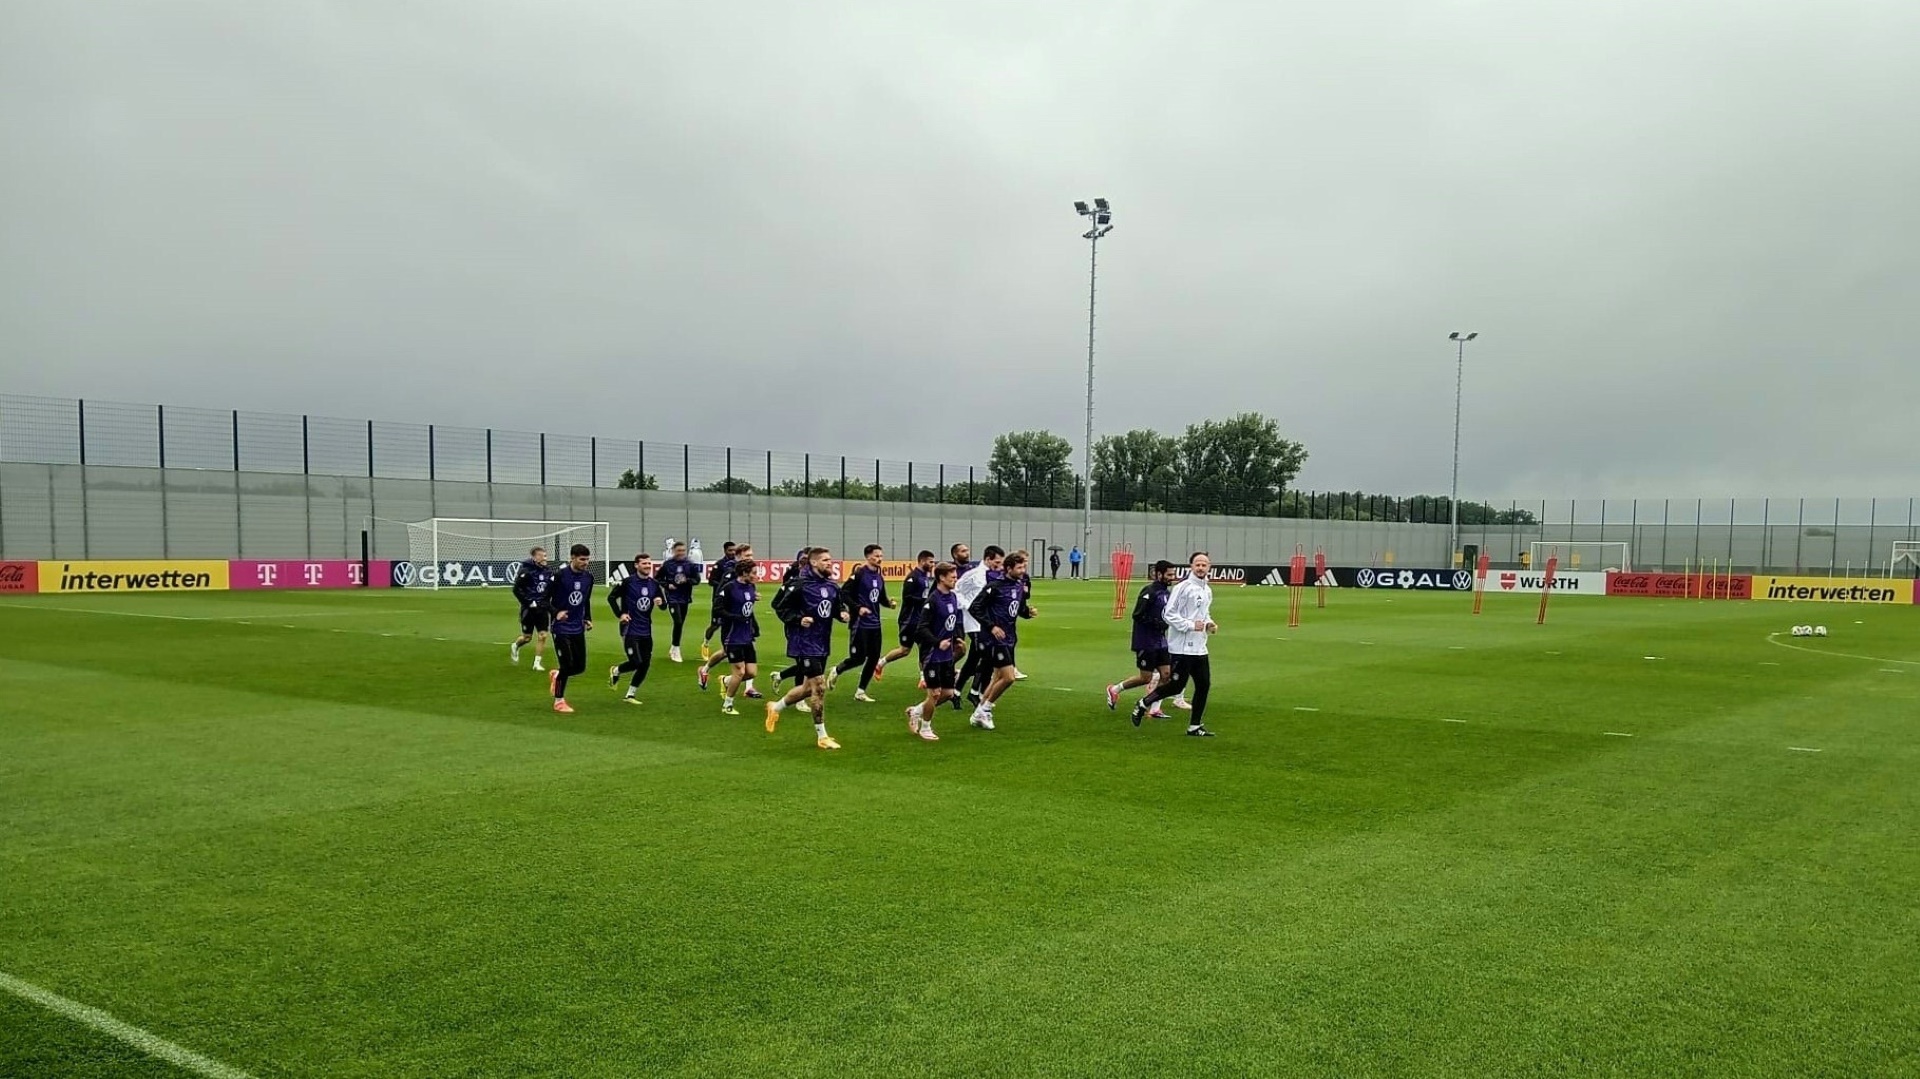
[1087,235]
[1100,204]
[1104,229]
[1473,335]
[1081,207]
[1454,336]
[1102,219]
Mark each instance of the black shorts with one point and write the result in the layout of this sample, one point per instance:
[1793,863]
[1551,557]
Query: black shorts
[997,655]
[743,653]
[940,675]
[1152,659]
[806,667]
[909,635]
[535,619]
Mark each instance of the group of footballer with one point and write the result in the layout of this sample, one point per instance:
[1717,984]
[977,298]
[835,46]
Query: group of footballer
[959,616]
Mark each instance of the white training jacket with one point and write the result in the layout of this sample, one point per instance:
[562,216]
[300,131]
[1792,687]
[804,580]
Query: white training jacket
[1189,607]
[968,588]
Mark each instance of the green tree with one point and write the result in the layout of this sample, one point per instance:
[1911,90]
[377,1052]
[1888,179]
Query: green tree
[731,486]
[637,481]
[1135,471]
[1240,465]
[1033,468]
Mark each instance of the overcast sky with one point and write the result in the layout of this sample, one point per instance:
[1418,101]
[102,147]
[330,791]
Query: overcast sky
[1686,231]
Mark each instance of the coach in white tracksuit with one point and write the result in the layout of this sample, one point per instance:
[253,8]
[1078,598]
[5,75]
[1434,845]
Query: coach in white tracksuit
[968,588]
[1190,622]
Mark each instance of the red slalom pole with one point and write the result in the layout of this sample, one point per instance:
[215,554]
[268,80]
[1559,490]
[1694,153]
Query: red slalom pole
[1546,588]
[1296,585]
[1480,581]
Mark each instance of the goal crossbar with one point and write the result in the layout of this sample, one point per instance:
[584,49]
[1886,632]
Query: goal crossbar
[1581,554]
[448,552]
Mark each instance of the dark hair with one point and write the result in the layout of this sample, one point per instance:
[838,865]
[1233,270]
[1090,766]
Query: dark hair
[945,569]
[728,546]
[923,556]
[642,555]
[738,547]
[815,552]
[579,551]
[1197,554]
[955,547]
[679,544]
[992,552]
[535,551]
[872,547]
[1017,558]
[1161,566]
[743,569]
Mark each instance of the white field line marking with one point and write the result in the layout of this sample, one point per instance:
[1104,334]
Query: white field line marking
[1802,749]
[1303,708]
[149,1043]
[1456,647]
[1773,639]
[1891,670]
[1768,663]
[1453,721]
[1616,734]
[1063,689]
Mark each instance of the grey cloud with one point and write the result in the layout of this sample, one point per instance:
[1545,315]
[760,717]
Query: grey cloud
[1685,231]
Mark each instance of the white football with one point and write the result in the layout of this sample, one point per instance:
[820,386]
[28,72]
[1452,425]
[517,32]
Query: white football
[1799,631]
[1819,631]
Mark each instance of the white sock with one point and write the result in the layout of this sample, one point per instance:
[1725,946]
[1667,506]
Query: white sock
[819,730]
[779,706]
[749,683]
[632,692]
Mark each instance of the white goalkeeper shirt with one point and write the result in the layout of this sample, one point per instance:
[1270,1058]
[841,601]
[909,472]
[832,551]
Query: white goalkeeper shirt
[1189,609]
[968,588]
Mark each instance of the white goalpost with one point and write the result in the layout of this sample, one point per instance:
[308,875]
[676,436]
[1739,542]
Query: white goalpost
[1907,553]
[474,552]
[1592,555]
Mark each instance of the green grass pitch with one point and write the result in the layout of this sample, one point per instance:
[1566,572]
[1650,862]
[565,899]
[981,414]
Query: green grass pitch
[340,835]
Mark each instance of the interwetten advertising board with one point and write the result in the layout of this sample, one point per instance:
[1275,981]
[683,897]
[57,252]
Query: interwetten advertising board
[149,575]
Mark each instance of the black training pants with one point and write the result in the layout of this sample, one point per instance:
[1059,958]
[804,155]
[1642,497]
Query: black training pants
[679,613]
[1194,669]
[570,658]
[639,658]
[867,648]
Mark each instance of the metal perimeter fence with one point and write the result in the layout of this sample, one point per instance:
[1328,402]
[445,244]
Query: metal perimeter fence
[103,480]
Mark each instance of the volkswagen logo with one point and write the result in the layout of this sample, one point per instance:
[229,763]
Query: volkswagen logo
[1462,581]
[402,574]
[1364,578]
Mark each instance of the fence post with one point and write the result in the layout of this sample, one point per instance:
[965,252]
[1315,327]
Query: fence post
[593,461]
[769,482]
[432,464]
[81,405]
[729,470]
[160,432]
[543,460]
[489,455]
[943,485]
[369,455]
[909,481]
[686,467]
[306,468]
[876,479]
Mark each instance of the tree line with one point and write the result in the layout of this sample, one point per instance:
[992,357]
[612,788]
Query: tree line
[1241,465]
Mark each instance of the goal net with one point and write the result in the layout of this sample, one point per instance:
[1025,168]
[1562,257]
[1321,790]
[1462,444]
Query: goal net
[460,552]
[1906,559]
[1589,555]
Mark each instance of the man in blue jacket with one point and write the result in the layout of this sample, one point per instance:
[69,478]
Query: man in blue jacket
[808,611]
[633,601]
[863,595]
[570,599]
[678,575]
[530,585]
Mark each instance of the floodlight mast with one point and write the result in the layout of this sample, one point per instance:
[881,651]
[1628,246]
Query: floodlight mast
[1101,219]
[1459,372]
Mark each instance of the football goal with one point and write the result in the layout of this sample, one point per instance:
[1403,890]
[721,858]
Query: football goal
[1906,559]
[1590,555]
[466,552]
